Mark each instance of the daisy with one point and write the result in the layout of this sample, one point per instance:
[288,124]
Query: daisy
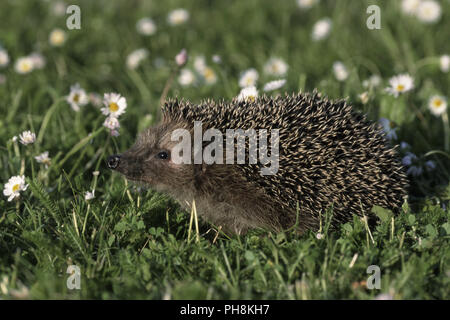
[364,97]
[248,78]
[111,123]
[43,158]
[340,71]
[89,195]
[306,4]
[186,77]
[95,99]
[444,62]
[114,103]
[77,97]
[59,8]
[388,128]
[38,60]
[276,67]
[27,137]
[274,85]
[146,26]
[321,29]
[24,65]
[400,84]
[134,58]
[199,64]
[209,75]
[410,6]
[429,11]
[14,186]
[372,82]
[248,94]
[177,17]
[437,105]
[181,58]
[57,37]
[4,58]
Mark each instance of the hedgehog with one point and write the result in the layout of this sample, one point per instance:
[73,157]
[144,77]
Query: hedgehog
[329,157]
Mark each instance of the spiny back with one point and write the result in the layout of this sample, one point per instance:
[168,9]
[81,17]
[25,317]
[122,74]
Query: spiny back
[328,154]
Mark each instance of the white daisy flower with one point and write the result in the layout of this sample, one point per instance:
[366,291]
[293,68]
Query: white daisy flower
[146,26]
[199,64]
[38,60]
[95,99]
[77,97]
[59,8]
[27,137]
[410,6]
[4,58]
[400,84]
[209,75]
[134,58]
[43,158]
[89,195]
[181,58]
[24,65]
[114,103]
[14,186]
[276,67]
[444,62]
[429,11]
[186,77]
[306,4]
[388,128]
[248,78]
[111,123]
[372,82]
[321,29]
[274,85]
[364,97]
[248,94]
[177,17]
[437,105]
[340,71]
[57,37]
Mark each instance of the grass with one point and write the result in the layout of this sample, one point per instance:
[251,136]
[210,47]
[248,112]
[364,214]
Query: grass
[132,243]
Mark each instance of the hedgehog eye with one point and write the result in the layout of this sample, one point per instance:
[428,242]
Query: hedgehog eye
[162,155]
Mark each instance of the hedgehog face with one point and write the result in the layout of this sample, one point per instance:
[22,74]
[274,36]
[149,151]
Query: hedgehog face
[149,160]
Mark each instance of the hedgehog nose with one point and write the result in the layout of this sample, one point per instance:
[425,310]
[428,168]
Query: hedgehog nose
[113,161]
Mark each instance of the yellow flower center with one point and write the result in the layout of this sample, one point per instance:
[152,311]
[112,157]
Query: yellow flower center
[113,107]
[26,66]
[400,87]
[251,98]
[437,103]
[209,74]
[15,187]
[76,97]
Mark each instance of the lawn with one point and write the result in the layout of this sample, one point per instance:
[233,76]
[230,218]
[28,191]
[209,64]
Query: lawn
[73,216]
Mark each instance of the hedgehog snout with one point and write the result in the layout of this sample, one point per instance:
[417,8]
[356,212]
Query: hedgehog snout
[113,161]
